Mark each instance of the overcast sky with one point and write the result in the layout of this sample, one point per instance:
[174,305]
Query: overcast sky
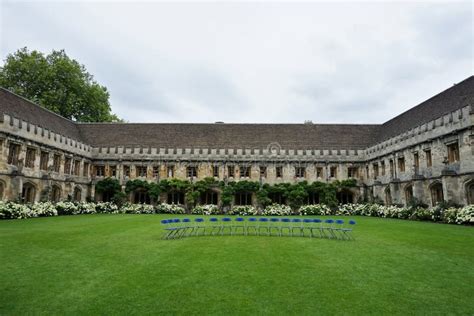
[343,62]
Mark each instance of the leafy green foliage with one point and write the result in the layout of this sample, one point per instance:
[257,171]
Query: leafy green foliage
[58,83]
[110,189]
[153,189]
[296,194]
[229,189]
[108,185]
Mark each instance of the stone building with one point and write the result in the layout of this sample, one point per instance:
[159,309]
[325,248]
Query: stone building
[425,153]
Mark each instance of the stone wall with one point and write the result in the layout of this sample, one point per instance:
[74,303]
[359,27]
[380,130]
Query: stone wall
[455,177]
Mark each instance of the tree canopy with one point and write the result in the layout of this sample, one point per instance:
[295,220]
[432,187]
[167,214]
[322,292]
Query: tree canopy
[58,83]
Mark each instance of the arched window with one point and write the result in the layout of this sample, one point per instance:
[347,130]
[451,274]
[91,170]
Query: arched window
[209,197]
[470,192]
[175,197]
[55,193]
[28,193]
[141,196]
[77,194]
[313,198]
[345,197]
[437,196]
[243,198]
[408,193]
[388,196]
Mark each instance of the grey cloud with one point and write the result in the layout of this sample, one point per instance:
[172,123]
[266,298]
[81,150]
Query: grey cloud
[287,63]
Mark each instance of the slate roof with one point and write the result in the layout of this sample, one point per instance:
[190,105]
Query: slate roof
[28,111]
[252,136]
[288,136]
[451,99]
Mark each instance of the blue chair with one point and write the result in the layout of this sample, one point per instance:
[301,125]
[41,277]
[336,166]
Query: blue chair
[179,228]
[199,225]
[296,224]
[285,225]
[252,225]
[338,228]
[226,224]
[174,228]
[187,227]
[318,226]
[274,221]
[328,227]
[214,225]
[169,230]
[240,224]
[307,225]
[263,224]
[348,231]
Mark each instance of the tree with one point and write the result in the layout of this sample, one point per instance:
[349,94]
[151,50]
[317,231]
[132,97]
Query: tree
[57,83]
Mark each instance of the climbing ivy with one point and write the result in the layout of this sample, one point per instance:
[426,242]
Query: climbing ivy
[296,194]
[153,189]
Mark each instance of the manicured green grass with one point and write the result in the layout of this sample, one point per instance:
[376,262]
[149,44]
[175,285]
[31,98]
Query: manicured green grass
[117,264]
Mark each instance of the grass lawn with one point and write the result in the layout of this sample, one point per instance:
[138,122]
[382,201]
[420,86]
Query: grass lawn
[117,264]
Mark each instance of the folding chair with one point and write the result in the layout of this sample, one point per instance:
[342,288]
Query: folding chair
[226,224]
[172,231]
[180,227]
[252,225]
[169,231]
[318,225]
[348,231]
[338,228]
[274,221]
[199,225]
[213,224]
[240,224]
[187,227]
[307,224]
[296,224]
[328,228]
[285,225]
[263,224]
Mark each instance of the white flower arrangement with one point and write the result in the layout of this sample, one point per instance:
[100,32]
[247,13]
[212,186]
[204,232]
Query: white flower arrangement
[137,209]
[465,215]
[11,210]
[208,209]
[277,210]
[165,208]
[315,209]
[243,210]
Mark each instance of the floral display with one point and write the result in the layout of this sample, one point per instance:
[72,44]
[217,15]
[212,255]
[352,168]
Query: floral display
[277,210]
[243,210]
[451,215]
[316,209]
[208,209]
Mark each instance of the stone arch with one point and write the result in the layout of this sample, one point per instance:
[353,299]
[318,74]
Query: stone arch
[175,197]
[55,193]
[470,191]
[209,197]
[345,196]
[141,196]
[28,192]
[408,191]
[77,194]
[388,195]
[436,191]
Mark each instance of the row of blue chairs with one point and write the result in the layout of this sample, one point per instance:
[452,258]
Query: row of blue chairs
[274,226]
